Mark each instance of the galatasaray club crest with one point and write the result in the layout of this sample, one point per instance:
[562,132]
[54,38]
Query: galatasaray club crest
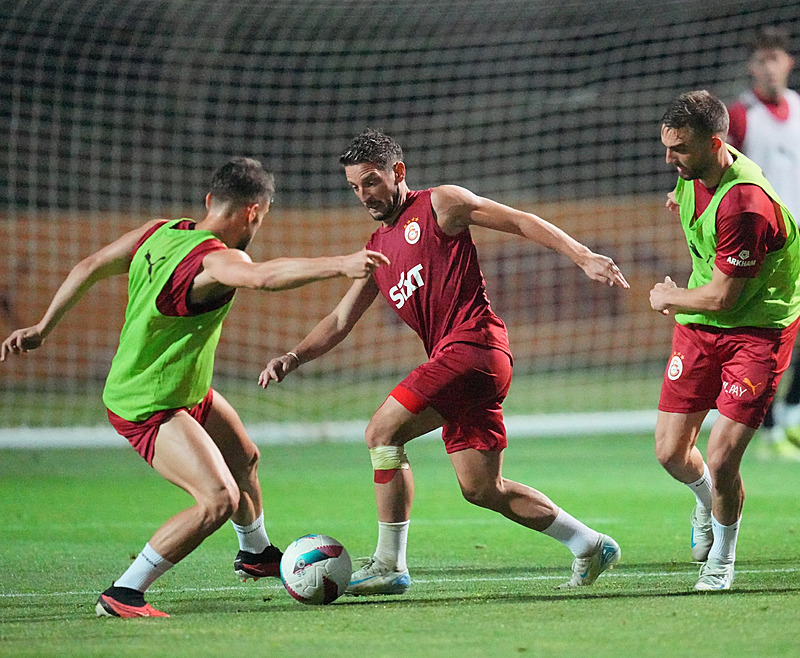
[413,231]
[675,368]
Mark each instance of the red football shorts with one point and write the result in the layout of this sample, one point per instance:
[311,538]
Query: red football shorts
[736,370]
[142,434]
[466,384]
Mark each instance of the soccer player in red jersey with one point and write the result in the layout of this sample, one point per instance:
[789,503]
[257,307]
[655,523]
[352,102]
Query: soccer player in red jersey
[736,321]
[435,285]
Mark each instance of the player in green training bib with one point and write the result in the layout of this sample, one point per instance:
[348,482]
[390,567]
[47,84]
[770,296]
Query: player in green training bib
[736,321]
[164,360]
[181,279]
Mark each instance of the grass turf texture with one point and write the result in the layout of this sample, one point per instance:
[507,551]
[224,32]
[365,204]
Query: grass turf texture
[72,520]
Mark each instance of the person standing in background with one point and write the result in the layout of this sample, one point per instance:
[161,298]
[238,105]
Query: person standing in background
[765,126]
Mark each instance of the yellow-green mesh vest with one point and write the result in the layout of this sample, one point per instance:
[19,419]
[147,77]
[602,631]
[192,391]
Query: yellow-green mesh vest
[771,299]
[162,362]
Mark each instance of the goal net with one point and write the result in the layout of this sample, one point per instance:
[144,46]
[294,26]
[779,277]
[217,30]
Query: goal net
[116,112]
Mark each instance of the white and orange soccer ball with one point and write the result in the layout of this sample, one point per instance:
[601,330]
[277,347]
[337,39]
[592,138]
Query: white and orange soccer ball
[316,569]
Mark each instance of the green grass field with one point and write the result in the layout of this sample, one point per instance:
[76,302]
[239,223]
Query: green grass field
[70,521]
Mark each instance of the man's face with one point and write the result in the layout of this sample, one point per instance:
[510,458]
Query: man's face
[255,214]
[692,155]
[770,69]
[377,189]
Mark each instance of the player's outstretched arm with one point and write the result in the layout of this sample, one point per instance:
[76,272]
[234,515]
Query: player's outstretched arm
[328,333]
[457,208]
[719,294]
[112,259]
[234,269]
[20,341]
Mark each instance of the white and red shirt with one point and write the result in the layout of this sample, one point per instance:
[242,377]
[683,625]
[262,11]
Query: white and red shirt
[769,134]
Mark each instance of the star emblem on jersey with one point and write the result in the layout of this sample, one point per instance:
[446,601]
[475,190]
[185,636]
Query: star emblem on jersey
[412,231]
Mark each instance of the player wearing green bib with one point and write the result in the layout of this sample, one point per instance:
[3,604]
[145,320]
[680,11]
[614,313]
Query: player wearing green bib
[768,299]
[736,321]
[163,361]
[181,280]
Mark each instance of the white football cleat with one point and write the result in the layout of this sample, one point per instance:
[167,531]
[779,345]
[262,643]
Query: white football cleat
[585,570]
[714,576]
[375,578]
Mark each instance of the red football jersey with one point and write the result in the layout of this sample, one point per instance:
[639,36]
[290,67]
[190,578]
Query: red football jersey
[747,220]
[434,282]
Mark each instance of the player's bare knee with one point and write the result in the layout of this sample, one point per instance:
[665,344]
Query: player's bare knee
[482,495]
[376,435]
[220,505]
[723,469]
[669,457]
[474,496]
[665,458]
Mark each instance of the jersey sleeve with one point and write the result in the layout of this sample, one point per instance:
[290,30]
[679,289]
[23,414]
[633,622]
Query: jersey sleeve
[746,231]
[738,125]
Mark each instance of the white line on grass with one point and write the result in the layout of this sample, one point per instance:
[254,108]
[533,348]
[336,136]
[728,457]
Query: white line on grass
[421,581]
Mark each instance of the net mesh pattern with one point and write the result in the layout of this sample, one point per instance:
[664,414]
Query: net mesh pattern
[117,112]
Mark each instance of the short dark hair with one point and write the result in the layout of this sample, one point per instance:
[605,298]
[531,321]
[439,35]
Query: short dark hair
[770,37]
[242,180]
[372,147]
[703,112]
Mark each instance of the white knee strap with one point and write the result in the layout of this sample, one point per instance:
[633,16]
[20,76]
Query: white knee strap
[388,458]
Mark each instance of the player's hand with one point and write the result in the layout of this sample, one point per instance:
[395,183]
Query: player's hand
[658,295]
[21,341]
[277,369]
[362,263]
[671,203]
[602,268]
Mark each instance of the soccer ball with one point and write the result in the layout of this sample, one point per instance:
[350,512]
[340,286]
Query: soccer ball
[316,569]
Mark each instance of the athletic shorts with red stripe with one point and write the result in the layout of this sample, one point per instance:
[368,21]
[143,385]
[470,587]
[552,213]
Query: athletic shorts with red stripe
[466,384]
[142,434]
[736,371]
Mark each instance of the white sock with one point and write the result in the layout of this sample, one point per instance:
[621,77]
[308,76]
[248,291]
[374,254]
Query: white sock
[576,536]
[724,546]
[392,541]
[252,538]
[702,488]
[147,566]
